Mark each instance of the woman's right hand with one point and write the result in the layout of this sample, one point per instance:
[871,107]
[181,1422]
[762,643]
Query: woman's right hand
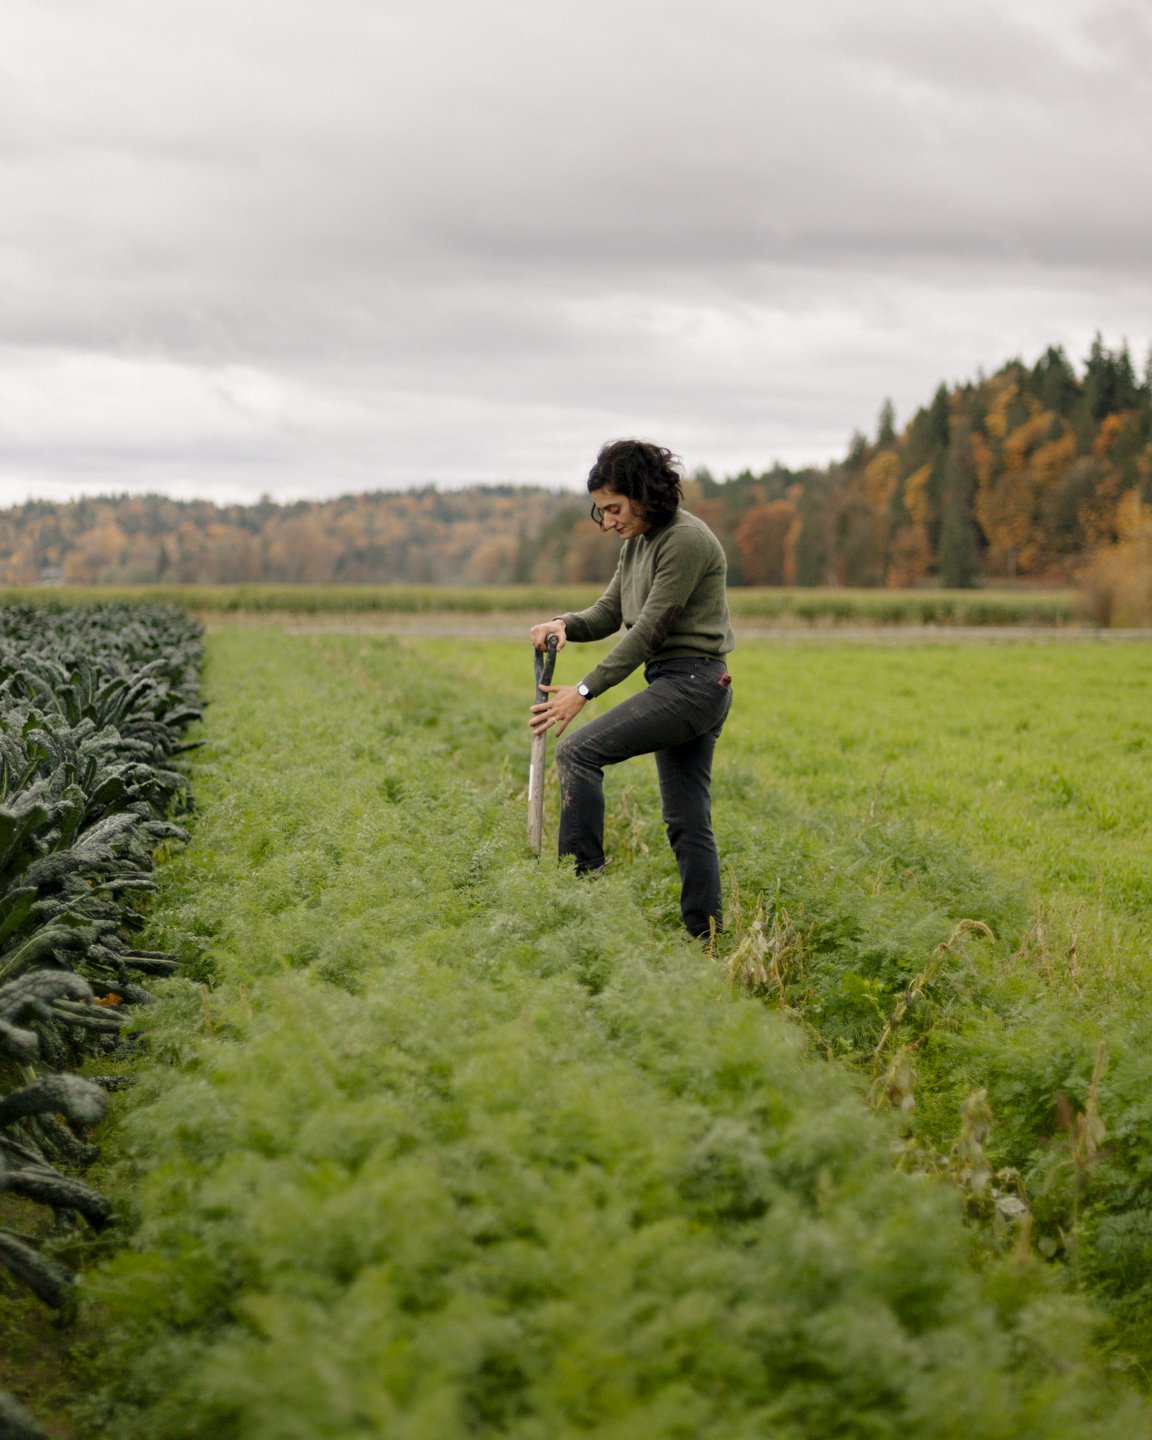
[539,634]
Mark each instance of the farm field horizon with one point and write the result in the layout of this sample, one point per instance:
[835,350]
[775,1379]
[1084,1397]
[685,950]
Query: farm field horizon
[434,1140]
[802,607]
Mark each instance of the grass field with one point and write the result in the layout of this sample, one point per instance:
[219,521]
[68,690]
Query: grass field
[435,1140]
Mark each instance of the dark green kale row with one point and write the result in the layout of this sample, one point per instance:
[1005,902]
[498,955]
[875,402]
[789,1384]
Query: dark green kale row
[94,703]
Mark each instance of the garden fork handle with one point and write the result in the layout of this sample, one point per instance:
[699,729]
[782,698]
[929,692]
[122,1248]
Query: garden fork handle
[543,664]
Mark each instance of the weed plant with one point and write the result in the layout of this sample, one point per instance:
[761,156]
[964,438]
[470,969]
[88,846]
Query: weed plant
[447,1142]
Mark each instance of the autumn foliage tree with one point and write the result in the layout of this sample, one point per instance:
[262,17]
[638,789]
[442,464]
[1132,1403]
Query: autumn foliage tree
[1116,579]
[1014,477]
[762,538]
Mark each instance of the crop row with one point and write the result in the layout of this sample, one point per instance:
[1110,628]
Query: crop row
[93,704]
[461,1146]
[949,847]
[991,607]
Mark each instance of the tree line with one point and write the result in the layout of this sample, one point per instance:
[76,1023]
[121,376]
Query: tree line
[1014,477]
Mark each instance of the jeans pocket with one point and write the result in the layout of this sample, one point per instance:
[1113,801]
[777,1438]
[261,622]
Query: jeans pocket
[703,697]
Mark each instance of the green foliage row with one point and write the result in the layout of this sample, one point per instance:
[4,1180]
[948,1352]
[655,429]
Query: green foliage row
[969,608]
[811,606]
[1007,785]
[92,706]
[877,798]
[948,846]
[256,600]
[451,1143]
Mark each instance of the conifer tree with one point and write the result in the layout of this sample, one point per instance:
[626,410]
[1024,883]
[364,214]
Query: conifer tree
[958,557]
[811,548]
[1053,381]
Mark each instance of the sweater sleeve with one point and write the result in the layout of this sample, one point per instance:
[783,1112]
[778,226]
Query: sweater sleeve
[679,568]
[599,620]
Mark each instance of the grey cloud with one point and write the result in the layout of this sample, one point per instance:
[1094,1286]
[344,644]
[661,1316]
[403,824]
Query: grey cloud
[467,241]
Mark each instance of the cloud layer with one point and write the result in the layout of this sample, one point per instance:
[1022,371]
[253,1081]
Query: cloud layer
[303,249]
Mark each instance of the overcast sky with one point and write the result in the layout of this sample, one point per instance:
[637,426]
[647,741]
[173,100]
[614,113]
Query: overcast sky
[303,249]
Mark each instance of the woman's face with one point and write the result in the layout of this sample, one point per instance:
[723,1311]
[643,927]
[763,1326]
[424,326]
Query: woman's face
[619,513]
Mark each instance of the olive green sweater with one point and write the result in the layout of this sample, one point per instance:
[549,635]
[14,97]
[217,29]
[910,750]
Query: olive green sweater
[668,592]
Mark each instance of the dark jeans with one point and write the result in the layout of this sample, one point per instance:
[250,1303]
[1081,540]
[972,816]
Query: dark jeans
[679,717]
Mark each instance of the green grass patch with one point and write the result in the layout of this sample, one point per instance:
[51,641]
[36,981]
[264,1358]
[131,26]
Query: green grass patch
[443,1142]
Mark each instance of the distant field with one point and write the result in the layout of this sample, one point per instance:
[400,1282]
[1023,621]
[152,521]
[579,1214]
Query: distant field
[799,607]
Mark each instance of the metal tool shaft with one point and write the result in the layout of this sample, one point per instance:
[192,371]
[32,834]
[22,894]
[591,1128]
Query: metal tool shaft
[544,664]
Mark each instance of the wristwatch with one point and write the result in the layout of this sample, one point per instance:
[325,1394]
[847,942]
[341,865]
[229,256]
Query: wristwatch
[583,691]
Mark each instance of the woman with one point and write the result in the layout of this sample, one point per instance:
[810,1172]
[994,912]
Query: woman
[669,593]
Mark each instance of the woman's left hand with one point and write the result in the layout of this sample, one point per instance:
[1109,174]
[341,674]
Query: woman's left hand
[563,705]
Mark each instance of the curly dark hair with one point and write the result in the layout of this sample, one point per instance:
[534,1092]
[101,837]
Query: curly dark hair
[642,472]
